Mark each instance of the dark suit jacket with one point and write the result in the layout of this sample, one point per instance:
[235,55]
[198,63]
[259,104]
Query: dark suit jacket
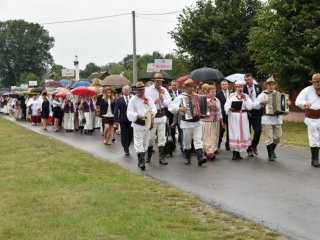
[104,107]
[254,112]
[120,111]
[222,100]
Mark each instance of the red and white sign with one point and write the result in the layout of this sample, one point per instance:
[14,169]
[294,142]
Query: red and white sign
[67,72]
[151,68]
[163,64]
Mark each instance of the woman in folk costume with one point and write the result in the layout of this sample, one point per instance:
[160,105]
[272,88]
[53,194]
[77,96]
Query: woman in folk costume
[80,116]
[236,108]
[137,108]
[33,104]
[211,124]
[107,105]
[68,117]
[191,125]
[89,111]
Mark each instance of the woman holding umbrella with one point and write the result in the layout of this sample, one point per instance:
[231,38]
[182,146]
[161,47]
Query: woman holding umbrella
[107,105]
[89,109]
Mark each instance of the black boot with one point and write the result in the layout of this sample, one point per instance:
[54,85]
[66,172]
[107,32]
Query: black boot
[162,154]
[234,156]
[201,159]
[141,163]
[270,152]
[187,156]
[150,151]
[274,147]
[239,156]
[315,157]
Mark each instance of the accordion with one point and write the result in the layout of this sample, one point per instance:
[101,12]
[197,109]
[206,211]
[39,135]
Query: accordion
[277,104]
[196,105]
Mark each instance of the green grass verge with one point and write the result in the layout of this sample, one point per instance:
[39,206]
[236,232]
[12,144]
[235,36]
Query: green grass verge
[52,191]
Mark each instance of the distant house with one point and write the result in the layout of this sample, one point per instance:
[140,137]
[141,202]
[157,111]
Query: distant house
[100,75]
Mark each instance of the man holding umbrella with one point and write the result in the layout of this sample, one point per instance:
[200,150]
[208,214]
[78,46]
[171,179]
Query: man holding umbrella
[161,99]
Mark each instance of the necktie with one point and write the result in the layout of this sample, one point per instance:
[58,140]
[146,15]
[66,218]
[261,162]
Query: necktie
[127,101]
[225,94]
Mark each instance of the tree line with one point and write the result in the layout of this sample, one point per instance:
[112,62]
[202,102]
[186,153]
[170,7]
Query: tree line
[277,37]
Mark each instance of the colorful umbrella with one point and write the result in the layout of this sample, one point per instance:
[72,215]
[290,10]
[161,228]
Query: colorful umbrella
[62,93]
[65,82]
[206,74]
[52,84]
[81,91]
[115,80]
[80,84]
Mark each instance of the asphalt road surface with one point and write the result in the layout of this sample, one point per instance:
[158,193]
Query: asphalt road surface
[283,195]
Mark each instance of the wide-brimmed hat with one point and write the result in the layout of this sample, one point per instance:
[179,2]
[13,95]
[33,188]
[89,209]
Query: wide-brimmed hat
[315,77]
[188,83]
[269,80]
[140,85]
[158,76]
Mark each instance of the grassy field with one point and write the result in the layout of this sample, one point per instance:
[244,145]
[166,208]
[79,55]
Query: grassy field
[52,191]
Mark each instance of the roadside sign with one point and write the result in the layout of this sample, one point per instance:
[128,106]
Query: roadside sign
[163,64]
[67,72]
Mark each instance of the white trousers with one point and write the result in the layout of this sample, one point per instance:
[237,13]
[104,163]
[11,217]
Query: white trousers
[160,129]
[194,133]
[141,139]
[314,136]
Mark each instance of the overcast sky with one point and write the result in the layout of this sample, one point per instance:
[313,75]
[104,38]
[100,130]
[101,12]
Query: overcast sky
[103,40]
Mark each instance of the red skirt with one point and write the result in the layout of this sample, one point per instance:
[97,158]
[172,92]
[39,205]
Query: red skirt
[35,119]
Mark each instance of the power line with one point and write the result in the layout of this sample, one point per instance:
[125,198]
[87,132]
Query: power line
[159,13]
[85,19]
[156,19]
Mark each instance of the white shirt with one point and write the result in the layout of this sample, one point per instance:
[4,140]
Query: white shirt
[265,119]
[137,107]
[154,94]
[309,94]
[246,105]
[252,91]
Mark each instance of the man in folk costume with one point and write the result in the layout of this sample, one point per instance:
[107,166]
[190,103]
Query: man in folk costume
[254,115]
[120,117]
[309,99]
[236,107]
[137,108]
[161,99]
[192,128]
[271,124]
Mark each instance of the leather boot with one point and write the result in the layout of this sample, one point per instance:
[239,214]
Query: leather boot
[238,155]
[162,154]
[315,157]
[187,156]
[274,147]
[201,159]
[234,156]
[150,150]
[270,152]
[141,163]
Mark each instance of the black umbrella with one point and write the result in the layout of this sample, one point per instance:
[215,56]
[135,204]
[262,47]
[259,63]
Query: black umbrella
[206,75]
[150,75]
[37,90]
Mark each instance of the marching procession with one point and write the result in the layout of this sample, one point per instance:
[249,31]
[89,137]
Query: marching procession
[162,115]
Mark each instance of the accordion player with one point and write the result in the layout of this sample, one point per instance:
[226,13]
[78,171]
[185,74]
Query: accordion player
[277,104]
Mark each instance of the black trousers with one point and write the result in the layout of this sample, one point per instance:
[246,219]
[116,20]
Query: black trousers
[255,124]
[222,130]
[126,135]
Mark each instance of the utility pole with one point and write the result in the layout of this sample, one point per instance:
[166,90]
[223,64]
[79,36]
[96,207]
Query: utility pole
[76,64]
[134,48]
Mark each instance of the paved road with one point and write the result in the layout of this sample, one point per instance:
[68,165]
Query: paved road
[282,195]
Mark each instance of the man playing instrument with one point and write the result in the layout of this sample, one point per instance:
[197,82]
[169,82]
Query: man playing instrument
[309,99]
[271,124]
[161,99]
[236,107]
[137,108]
[192,128]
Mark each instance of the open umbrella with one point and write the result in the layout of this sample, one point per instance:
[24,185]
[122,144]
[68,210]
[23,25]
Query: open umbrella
[237,76]
[112,80]
[65,82]
[52,84]
[150,75]
[182,79]
[206,74]
[80,84]
[37,90]
[81,91]
[96,82]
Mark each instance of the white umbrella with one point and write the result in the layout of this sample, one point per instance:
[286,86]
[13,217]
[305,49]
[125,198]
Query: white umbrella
[237,76]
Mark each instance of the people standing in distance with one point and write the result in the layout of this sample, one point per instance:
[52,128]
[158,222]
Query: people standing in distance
[223,96]
[236,107]
[309,99]
[120,118]
[137,108]
[161,99]
[253,90]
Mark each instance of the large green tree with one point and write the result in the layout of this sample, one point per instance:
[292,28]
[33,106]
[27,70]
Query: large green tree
[216,34]
[90,68]
[24,48]
[286,41]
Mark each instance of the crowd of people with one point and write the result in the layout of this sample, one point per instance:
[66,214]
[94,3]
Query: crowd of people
[195,118]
